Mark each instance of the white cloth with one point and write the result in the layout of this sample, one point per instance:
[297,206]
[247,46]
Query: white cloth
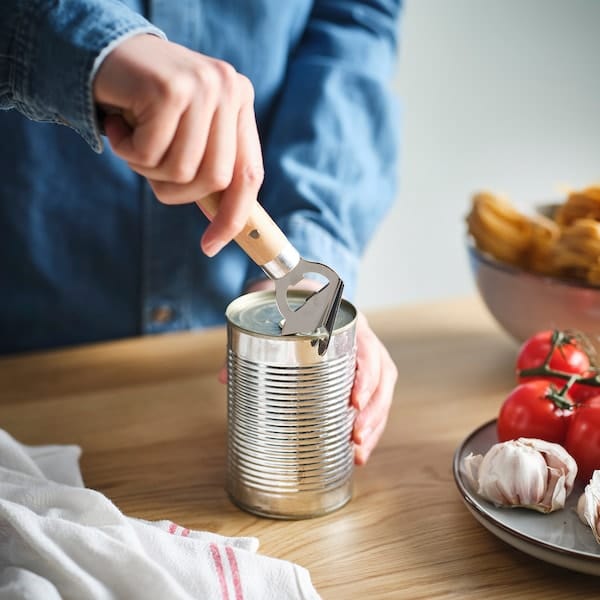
[61,541]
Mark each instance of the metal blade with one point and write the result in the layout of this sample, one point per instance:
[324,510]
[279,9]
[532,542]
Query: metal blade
[319,310]
[329,324]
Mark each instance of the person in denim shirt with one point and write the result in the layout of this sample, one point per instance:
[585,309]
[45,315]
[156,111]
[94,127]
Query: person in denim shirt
[217,92]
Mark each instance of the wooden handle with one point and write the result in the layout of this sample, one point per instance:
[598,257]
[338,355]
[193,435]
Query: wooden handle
[260,239]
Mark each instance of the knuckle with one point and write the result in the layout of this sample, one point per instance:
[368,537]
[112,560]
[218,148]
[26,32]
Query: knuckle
[252,175]
[222,78]
[206,78]
[227,73]
[246,88]
[183,172]
[217,180]
[176,91]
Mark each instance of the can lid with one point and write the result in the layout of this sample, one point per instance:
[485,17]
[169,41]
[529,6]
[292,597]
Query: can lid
[257,312]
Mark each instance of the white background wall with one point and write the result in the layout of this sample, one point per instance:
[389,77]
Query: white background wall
[496,94]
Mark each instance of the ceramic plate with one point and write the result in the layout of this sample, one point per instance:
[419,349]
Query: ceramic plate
[559,538]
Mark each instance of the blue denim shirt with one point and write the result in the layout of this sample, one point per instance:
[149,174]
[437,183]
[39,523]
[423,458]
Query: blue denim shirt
[87,253]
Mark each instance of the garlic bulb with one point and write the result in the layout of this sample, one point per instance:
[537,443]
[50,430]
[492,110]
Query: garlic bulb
[588,505]
[527,472]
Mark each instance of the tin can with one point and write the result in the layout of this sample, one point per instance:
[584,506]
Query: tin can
[289,417]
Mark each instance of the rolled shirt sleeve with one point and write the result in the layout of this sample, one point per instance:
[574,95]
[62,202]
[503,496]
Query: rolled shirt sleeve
[331,152]
[50,51]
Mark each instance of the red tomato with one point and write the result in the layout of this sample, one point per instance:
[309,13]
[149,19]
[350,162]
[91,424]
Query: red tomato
[532,411]
[581,393]
[583,438]
[568,356]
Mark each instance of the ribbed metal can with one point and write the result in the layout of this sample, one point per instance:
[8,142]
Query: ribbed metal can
[289,418]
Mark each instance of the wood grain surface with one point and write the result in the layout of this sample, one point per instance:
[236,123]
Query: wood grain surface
[149,415]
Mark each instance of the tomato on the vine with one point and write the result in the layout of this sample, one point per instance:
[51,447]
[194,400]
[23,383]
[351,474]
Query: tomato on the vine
[558,397]
[566,353]
[535,409]
[583,438]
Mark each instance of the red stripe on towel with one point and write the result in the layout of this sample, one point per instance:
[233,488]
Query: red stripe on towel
[172,527]
[214,550]
[235,573]
[185,532]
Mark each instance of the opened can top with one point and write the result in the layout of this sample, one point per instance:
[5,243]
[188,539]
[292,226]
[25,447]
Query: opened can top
[257,312]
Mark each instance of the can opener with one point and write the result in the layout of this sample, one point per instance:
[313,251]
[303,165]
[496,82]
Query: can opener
[264,242]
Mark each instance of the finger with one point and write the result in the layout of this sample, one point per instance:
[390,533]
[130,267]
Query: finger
[368,364]
[363,452]
[216,169]
[183,158]
[370,421]
[239,198]
[151,137]
[222,376]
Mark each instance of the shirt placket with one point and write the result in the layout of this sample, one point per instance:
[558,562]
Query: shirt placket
[168,232]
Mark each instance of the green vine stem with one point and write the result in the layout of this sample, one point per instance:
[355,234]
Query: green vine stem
[545,371]
[560,338]
[558,397]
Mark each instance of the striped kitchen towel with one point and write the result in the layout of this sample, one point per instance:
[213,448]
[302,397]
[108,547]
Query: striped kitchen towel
[61,541]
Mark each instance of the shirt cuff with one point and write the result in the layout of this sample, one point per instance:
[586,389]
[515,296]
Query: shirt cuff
[315,244]
[64,49]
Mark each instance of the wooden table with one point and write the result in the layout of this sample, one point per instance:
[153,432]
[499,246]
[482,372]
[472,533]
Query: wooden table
[150,417]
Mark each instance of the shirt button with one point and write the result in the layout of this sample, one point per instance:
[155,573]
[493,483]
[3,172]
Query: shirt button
[162,314]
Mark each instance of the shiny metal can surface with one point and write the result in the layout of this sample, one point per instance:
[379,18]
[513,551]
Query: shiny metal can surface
[289,418]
